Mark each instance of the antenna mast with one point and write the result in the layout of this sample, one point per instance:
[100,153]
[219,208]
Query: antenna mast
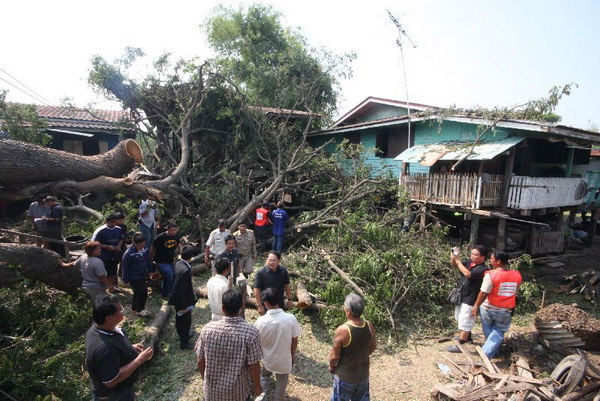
[402,32]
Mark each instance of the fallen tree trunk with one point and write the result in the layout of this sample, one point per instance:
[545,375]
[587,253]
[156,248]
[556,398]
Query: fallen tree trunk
[18,260]
[22,163]
[156,327]
[251,302]
[304,298]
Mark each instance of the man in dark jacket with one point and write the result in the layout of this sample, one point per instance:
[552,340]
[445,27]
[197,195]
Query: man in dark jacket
[136,265]
[183,297]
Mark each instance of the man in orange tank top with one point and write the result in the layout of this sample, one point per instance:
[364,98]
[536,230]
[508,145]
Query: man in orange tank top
[496,301]
[349,360]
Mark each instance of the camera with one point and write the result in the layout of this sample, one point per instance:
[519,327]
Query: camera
[456,251]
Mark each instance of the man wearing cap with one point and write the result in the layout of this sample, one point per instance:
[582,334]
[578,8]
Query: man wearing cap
[37,210]
[216,243]
[261,224]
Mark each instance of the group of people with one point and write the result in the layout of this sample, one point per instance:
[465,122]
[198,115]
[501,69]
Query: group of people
[46,215]
[229,350]
[235,359]
[491,291]
[107,258]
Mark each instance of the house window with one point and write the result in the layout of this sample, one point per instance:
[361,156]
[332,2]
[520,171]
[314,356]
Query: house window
[390,142]
[73,146]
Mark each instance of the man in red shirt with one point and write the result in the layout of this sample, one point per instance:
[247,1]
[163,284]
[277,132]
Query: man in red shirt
[261,224]
[496,301]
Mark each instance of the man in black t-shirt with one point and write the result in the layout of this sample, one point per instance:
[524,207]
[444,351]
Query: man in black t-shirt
[111,360]
[273,275]
[473,270]
[163,251]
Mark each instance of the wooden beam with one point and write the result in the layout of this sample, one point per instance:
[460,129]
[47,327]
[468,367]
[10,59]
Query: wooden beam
[474,230]
[513,378]
[501,234]
[508,170]
[485,360]
[462,349]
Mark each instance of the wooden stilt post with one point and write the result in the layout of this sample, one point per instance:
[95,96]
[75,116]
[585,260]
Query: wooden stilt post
[510,162]
[474,229]
[501,235]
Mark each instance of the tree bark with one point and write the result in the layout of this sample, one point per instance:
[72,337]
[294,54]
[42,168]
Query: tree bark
[18,260]
[304,298]
[22,163]
[251,302]
[156,327]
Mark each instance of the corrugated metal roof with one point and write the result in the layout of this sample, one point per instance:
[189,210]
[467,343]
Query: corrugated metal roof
[429,154]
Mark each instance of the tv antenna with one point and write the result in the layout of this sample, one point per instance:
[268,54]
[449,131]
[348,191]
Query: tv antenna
[402,32]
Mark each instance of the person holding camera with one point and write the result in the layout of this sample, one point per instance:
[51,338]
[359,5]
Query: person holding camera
[472,270]
[496,301]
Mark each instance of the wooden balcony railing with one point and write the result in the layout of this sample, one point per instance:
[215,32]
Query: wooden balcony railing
[466,190]
[544,192]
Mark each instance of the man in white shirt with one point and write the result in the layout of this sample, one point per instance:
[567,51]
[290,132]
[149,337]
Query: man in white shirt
[278,332]
[216,286]
[215,244]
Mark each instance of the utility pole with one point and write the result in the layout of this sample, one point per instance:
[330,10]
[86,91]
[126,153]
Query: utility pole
[402,32]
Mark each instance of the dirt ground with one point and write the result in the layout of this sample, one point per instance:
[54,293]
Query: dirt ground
[406,374]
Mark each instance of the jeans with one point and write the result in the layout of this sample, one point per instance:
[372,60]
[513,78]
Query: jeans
[346,391]
[495,323]
[168,272]
[140,294]
[281,382]
[278,243]
[147,233]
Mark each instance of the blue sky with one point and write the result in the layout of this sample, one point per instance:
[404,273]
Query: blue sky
[469,52]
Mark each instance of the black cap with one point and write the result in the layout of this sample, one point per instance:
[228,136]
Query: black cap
[222,222]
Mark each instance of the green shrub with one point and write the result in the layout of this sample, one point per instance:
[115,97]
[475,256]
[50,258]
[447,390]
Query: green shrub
[42,350]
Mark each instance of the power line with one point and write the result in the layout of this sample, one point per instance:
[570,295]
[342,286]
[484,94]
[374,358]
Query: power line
[35,95]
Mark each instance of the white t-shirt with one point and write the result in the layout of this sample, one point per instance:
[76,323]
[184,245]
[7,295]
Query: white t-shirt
[276,330]
[215,288]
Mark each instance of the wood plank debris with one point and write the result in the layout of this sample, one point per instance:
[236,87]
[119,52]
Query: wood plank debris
[483,380]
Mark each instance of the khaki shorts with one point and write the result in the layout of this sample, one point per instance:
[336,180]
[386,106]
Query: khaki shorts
[463,316]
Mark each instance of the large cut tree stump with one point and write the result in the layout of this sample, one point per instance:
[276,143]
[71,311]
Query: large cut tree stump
[24,165]
[19,260]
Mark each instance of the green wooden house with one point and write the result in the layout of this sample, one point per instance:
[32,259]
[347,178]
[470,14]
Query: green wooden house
[509,185]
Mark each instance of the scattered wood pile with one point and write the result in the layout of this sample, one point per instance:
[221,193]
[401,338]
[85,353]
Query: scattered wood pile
[477,378]
[567,327]
[586,283]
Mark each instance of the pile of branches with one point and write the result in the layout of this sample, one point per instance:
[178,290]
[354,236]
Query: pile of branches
[403,275]
[586,283]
